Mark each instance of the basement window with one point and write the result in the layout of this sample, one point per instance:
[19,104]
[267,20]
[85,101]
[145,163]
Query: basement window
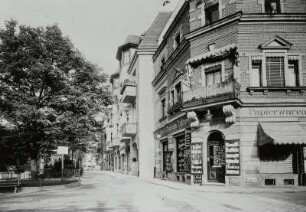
[270,181]
[288,181]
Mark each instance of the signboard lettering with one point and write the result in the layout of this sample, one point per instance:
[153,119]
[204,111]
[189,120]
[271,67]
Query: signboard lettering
[173,126]
[183,155]
[232,157]
[276,112]
[197,179]
[196,158]
[62,150]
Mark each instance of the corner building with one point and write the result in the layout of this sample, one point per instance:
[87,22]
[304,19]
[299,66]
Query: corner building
[241,102]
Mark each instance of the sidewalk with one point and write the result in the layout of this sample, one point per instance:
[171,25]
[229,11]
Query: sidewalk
[212,188]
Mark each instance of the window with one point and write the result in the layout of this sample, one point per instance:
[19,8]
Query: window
[172,96]
[125,57]
[272,6]
[163,107]
[177,39]
[275,73]
[255,74]
[178,89]
[213,76]
[163,61]
[212,14]
[293,73]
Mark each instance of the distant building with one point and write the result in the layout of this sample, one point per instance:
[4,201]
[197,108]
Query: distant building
[230,94]
[130,139]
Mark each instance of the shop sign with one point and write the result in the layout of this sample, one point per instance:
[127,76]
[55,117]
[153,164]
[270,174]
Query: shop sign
[274,112]
[197,179]
[232,157]
[196,158]
[173,126]
[183,155]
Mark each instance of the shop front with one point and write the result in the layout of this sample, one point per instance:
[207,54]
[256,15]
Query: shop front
[173,150]
[280,138]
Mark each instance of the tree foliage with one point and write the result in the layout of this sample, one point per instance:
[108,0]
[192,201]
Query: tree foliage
[48,91]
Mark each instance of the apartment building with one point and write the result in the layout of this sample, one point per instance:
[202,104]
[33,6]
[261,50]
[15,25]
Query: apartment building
[131,141]
[231,106]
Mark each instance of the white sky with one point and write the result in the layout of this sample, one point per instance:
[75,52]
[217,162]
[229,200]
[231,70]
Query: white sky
[96,27]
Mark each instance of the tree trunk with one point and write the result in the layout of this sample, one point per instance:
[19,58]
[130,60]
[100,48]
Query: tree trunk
[33,168]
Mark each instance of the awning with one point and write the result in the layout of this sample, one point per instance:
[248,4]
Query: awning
[280,133]
[214,53]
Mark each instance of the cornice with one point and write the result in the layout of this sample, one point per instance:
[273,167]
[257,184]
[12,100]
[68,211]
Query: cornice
[283,17]
[170,61]
[220,23]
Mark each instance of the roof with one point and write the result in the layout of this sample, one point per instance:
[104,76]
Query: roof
[113,76]
[211,54]
[130,41]
[149,39]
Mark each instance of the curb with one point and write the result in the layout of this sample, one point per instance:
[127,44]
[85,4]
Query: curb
[211,188]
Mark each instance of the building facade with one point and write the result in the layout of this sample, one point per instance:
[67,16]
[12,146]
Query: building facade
[131,123]
[231,109]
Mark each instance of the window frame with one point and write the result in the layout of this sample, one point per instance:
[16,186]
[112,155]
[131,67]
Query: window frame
[204,70]
[163,102]
[278,6]
[124,54]
[282,53]
[208,11]
[175,43]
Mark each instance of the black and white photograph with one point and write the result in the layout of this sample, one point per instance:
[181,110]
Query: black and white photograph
[152,105]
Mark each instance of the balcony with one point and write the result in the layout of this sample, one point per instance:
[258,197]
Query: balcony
[128,91]
[227,91]
[115,142]
[128,129]
[175,108]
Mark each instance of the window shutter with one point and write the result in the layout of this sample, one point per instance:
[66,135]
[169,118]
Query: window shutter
[275,71]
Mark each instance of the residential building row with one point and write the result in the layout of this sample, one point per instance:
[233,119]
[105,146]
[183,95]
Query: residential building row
[214,92]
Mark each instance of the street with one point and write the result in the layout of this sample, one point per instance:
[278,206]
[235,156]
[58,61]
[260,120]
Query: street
[102,191]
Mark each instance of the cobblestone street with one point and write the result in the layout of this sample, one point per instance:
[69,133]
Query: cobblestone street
[103,191]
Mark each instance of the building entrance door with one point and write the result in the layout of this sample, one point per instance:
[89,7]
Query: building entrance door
[216,158]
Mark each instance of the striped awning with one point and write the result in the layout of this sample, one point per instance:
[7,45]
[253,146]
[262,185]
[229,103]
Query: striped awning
[214,53]
[280,133]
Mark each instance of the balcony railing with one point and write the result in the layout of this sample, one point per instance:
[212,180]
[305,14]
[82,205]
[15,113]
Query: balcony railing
[172,109]
[128,129]
[128,91]
[224,91]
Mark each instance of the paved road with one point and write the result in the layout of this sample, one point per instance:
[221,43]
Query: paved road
[106,192]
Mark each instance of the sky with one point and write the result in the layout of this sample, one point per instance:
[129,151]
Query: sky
[96,27]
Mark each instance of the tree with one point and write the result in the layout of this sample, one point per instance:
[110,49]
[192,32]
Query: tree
[48,91]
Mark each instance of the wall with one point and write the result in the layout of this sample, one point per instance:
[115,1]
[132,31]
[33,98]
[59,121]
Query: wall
[145,117]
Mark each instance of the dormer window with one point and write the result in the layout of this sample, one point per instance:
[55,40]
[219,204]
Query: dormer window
[272,6]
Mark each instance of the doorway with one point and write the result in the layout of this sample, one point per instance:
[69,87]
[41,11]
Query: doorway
[216,157]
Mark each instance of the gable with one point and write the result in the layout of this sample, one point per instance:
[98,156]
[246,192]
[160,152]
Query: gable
[276,43]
